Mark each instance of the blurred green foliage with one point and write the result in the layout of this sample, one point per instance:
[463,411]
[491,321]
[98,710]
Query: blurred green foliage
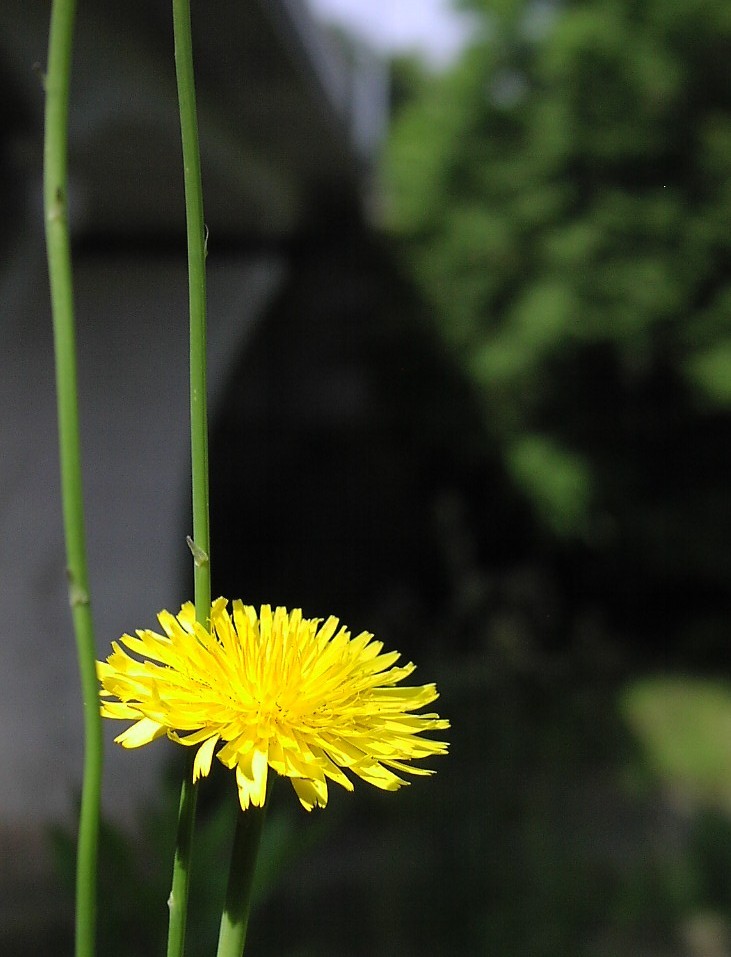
[563,194]
[684,726]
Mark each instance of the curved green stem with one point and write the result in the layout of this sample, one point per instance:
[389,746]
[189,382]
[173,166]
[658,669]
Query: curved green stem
[55,190]
[198,429]
[235,917]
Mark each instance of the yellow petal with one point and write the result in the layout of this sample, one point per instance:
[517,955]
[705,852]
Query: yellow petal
[252,781]
[143,732]
[203,758]
[311,793]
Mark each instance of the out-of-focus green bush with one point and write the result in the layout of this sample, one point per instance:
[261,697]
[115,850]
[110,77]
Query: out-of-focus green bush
[564,197]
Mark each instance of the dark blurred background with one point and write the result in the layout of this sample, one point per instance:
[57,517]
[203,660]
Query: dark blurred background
[471,383]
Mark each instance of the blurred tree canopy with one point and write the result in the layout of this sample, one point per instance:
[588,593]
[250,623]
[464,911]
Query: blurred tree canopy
[564,194]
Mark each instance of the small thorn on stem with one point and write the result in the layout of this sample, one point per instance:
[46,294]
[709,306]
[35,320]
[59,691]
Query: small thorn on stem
[199,556]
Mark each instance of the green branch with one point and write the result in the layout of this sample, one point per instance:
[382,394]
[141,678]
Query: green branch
[55,191]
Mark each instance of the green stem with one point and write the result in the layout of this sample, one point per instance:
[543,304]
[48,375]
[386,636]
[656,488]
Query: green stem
[55,191]
[198,428]
[235,917]
[197,300]
[178,901]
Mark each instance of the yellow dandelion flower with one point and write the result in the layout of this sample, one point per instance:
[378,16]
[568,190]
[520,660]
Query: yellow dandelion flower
[275,690]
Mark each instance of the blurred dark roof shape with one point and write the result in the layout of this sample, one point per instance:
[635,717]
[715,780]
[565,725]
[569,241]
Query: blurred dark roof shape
[286,115]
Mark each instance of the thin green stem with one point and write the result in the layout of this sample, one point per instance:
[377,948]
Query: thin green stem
[235,917]
[55,190]
[198,428]
[197,300]
[178,901]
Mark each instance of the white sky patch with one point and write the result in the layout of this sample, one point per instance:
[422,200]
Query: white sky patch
[431,27]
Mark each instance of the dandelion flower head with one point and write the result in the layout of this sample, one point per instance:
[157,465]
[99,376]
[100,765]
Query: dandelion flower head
[274,690]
